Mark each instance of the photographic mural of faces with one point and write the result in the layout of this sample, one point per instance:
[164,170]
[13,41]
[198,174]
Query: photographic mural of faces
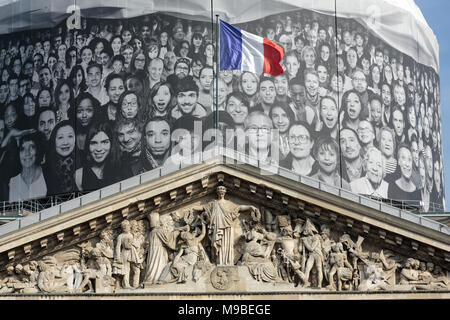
[96,107]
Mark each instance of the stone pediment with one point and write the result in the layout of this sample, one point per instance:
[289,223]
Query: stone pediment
[269,233]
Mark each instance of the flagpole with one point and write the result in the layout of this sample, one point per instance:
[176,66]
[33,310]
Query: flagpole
[338,99]
[217,78]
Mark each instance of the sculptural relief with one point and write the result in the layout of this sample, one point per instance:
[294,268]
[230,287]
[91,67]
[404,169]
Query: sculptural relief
[222,245]
[220,215]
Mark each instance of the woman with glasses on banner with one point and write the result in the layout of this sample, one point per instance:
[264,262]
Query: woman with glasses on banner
[301,143]
[130,107]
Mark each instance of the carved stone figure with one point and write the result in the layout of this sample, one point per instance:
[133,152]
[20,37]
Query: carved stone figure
[311,245]
[186,261]
[162,238]
[31,274]
[47,281]
[125,254]
[221,214]
[257,253]
[441,278]
[410,273]
[375,279]
[426,275]
[71,268]
[289,252]
[105,246]
[97,273]
[339,267]
[327,243]
[8,282]
[389,267]
[137,229]
[355,249]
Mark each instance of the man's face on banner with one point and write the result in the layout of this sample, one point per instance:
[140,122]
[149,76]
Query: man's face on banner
[94,77]
[181,70]
[267,92]
[258,131]
[157,137]
[155,69]
[169,60]
[46,123]
[187,101]
[4,90]
[129,137]
[349,144]
[45,77]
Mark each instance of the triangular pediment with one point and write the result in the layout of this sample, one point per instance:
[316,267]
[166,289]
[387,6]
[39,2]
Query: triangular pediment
[262,235]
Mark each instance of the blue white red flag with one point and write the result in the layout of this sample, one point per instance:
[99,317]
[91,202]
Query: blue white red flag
[240,50]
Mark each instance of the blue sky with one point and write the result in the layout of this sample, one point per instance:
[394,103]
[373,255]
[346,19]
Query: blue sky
[436,12]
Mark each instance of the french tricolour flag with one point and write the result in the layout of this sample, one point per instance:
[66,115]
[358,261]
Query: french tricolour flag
[240,50]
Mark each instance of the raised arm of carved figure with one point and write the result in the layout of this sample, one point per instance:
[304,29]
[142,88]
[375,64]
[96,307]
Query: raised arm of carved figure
[202,235]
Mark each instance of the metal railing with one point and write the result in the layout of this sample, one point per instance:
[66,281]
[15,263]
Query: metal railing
[223,156]
[23,208]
